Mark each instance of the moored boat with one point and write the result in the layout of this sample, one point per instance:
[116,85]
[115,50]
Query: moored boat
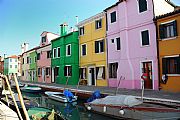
[31,89]
[62,97]
[40,113]
[124,106]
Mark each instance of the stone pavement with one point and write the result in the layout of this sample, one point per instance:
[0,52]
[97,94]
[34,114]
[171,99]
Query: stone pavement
[112,91]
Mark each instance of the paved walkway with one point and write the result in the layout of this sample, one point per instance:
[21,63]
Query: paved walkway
[109,90]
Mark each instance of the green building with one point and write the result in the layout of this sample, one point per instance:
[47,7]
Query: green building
[33,66]
[65,57]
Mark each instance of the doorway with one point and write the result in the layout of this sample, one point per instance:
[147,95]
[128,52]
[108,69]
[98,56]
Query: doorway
[91,76]
[147,68]
[55,73]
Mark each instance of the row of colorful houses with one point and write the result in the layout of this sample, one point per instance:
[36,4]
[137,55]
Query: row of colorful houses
[112,48]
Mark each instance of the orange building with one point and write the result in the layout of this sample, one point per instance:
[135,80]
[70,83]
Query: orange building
[168,26]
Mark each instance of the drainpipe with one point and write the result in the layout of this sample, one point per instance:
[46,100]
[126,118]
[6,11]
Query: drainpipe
[157,44]
[127,46]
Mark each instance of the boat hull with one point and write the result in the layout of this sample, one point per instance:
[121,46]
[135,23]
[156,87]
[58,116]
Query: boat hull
[134,112]
[59,96]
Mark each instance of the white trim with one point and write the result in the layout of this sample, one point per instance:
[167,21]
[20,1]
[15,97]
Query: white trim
[173,75]
[143,11]
[67,50]
[163,23]
[153,83]
[88,75]
[171,56]
[67,71]
[57,52]
[141,37]
[82,49]
[169,38]
[91,19]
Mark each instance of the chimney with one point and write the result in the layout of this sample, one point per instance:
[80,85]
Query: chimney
[24,47]
[63,29]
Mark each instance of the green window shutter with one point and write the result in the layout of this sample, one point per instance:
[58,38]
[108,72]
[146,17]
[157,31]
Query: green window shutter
[65,71]
[96,47]
[164,66]
[175,28]
[161,31]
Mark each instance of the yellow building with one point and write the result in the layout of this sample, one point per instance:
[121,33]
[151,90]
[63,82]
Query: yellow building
[92,50]
[169,51]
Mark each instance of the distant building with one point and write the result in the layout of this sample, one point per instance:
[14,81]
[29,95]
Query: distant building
[169,50]
[44,57]
[65,57]
[92,42]
[1,65]
[11,65]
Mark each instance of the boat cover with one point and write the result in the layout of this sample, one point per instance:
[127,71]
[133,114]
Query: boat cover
[122,100]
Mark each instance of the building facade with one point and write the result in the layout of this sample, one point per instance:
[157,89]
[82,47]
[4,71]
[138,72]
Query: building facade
[131,42]
[44,57]
[33,66]
[1,65]
[65,57]
[11,65]
[92,42]
[169,50]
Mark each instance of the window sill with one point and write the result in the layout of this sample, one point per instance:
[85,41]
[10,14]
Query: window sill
[142,46]
[99,53]
[170,38]
[173,75]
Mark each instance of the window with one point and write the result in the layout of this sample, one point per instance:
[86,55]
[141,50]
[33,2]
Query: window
[100,72]
[168,30]
[142,5]
[54,53]
[145,37]
[48,54]
[99,46]
[38,56]
[10,66]
[10,60]
[15,66]
[23,61]
[35,59]
[113,17]
[81,30]
[98,24]
[47,71]
[83,50]
[27,60]
[171,65]
[23,73]
[58,52]
[15,60]
[56,71]
[39,71]
[68,50]
[68,71]
[43,39]
[118,44]
[30,60]
[113,70]
[82,73]
[112,40]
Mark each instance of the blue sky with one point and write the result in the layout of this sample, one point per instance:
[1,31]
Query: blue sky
[24,20]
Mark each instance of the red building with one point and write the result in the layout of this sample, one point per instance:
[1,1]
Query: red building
[1,65]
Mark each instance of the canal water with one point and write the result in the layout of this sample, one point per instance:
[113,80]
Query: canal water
[71,111]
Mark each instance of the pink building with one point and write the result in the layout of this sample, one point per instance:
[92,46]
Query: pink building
[131,42]
[44,57]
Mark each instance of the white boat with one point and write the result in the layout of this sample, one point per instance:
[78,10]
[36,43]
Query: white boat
[59,96]
[129,107]
[31,89]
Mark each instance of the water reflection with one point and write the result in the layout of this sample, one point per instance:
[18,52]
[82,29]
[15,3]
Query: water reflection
[71,111]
